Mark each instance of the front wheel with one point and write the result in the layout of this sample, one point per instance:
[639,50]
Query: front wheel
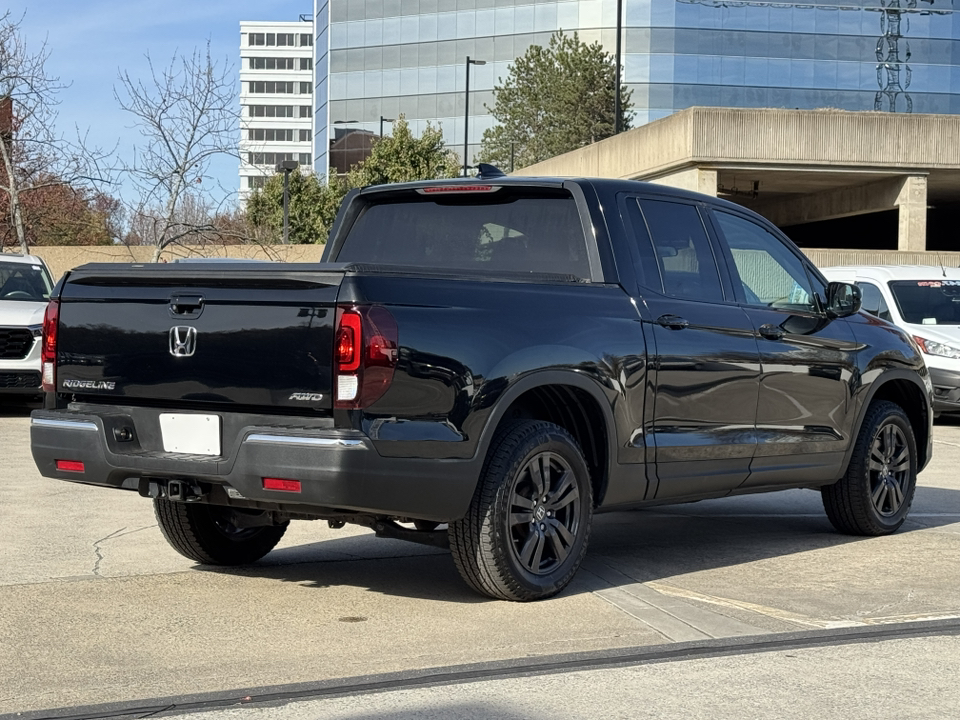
[526,530]
[204,533]
[874,495]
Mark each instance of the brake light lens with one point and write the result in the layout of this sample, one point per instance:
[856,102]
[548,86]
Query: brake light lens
[48,346]
[434,190]
[349,334]
[366,352]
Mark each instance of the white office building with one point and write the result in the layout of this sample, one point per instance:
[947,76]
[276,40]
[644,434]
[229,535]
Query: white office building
[276,98]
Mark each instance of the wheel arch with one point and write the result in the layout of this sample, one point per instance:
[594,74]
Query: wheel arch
[903,388]
[570,400]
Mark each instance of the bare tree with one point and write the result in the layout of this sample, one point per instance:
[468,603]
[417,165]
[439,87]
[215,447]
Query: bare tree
[32,155]
[187,114]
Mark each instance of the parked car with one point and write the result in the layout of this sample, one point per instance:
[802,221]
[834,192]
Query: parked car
[503,355]
[25,287]
[924,301]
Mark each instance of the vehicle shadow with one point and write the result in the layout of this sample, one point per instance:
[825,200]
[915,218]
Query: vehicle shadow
[18,408]
[645,545]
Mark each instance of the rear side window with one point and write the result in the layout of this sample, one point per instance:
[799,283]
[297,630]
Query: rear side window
[681,250]
[510,229]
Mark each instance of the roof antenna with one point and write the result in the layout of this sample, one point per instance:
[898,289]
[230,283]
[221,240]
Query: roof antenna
[942,268]
[487,171]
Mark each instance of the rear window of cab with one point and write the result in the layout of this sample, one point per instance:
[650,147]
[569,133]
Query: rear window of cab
[493,228]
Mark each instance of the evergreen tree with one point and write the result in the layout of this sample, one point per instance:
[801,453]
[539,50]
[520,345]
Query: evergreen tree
[404,158]
[555,99]
[314,203]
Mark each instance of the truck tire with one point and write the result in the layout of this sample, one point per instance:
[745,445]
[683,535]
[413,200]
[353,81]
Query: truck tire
[527,527]
[200,532]
[874,495]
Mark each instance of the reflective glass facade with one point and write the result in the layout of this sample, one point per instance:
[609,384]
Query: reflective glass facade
[386,57]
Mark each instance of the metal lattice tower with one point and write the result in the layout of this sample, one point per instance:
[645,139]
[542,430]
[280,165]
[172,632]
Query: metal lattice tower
[893,48]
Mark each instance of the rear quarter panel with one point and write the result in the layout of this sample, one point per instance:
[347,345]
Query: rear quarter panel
[464,344]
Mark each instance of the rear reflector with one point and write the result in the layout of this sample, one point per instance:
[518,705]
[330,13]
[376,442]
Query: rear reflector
[279,484]
[70,466]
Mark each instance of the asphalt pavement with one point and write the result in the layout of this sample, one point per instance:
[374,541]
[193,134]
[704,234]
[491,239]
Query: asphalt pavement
[99,610]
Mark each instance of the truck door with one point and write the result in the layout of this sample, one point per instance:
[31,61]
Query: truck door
[808,361]
[706,361]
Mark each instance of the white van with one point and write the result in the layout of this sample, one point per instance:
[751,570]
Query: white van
[924,300]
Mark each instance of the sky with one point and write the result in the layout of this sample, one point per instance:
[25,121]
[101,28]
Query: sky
[91,41]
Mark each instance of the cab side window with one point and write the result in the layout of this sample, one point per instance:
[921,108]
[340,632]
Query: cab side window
[873,301]
[770,274]
[677,250]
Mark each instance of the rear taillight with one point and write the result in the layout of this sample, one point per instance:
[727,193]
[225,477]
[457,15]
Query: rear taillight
[365,355]
[48,346]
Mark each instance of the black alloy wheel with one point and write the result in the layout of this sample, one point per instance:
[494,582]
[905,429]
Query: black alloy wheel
[545,513]
[526,531]
[889,470]
[875,494]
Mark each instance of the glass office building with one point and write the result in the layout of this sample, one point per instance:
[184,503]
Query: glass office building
[382,58]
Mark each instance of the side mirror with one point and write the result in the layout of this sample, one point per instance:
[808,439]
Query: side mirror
[843,300]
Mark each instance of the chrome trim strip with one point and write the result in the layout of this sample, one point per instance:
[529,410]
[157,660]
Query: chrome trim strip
[65,424]
[302,440]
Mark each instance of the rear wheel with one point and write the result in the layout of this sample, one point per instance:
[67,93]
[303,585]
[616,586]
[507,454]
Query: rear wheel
[875,494]
[526,531]
[206,533]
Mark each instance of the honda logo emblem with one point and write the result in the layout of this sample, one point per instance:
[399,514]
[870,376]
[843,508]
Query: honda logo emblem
[183,341]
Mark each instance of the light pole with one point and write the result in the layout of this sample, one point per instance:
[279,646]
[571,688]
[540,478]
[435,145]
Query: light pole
[286,167]
[616,92]
[466,112]
[382,121]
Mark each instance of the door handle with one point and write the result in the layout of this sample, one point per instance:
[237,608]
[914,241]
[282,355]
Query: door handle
[186,305]
[674,322]
[771,332]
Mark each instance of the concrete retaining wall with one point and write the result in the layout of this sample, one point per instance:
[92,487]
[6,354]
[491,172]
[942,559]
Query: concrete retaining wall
[61,259]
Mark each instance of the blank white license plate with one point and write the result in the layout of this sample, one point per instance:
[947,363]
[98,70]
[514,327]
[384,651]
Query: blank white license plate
[193,434]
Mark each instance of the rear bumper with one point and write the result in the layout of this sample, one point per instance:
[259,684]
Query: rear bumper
[338,470]
[946,390]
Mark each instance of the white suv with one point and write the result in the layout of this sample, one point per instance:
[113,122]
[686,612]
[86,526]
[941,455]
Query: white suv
[25,286]
[925,301]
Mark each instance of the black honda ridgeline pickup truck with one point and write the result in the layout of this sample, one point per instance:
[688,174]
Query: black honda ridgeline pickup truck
[505,356]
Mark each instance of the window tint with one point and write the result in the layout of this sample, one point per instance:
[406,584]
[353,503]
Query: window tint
[682,251]
[510,229]
[770,274]
[23,282]
[873,301]
[648,271]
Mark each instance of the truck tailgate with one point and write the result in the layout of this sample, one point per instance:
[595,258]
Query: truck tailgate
[235,335]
